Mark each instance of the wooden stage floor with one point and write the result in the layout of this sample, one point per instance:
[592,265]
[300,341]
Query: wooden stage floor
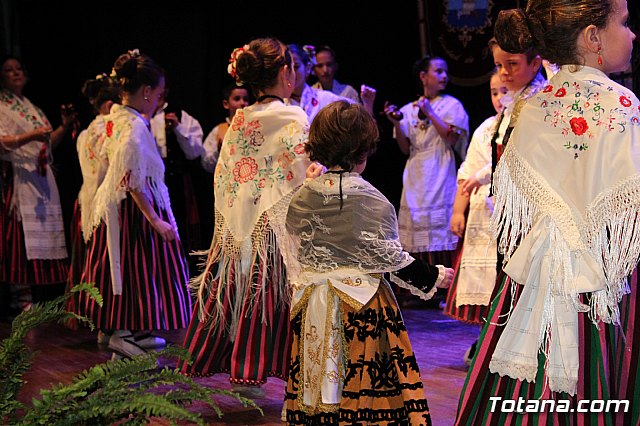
[439,343]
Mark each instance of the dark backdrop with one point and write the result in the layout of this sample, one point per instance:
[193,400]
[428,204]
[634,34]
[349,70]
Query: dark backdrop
[65,42]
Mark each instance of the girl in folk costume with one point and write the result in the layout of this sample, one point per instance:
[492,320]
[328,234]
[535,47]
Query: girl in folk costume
[351,361]
[566,206]
[134,256]
[520,75]
[431,129]
[468,298]
[32,242]
[241,322]
[103,92]
[312,99]
[234,97]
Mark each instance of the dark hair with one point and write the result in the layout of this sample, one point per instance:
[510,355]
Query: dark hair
[423,64]
[342,134]
[228,89]
[258,66]
[296,49]
[326,48]
[134,70]
[100,90]
[530,52]
[4,58]
[551,27]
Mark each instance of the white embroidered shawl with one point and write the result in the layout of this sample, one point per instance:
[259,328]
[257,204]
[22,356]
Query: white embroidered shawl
[93,167]
[261,163]
[567,200]
[134,164]
[35,195]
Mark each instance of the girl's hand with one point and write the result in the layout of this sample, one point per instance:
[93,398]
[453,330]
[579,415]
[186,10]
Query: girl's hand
[314,170]
[457,224]
[368,96]
[448,278]
[470,186]
[389,110]
[425,106]
[42,134]
[165,229]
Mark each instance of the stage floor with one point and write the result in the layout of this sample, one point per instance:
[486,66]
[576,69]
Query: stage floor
[439,343]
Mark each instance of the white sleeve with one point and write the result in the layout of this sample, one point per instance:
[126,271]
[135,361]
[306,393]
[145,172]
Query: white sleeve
[210,147]
[189,135]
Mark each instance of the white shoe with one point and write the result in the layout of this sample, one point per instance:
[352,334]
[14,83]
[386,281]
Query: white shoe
[249,391]
[125,345]
[149,341]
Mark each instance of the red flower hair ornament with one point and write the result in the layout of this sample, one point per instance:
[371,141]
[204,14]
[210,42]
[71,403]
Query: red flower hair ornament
[233,62]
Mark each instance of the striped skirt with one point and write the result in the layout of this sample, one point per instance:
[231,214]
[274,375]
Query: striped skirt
[382,381]
[15,267]
[76,266]
[472,314]
[255,349]
[155,276]
[608,370]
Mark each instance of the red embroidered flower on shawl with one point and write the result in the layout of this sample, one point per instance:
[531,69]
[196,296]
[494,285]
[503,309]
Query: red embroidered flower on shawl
[109,128]
[299,149]
[238,121]
[560,93]
[245,170]
[547,89]
[289,176]
[578,125]
[624,101]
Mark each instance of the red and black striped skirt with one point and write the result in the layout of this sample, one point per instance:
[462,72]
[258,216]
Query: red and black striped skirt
[155,276]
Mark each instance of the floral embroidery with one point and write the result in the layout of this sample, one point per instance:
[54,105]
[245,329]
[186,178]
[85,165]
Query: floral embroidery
[238,121]
[578,118]
[578,125]
[299,149]
[314,102]
[624,101]
[109,128]
[258,173]
[23,111]
[245,170]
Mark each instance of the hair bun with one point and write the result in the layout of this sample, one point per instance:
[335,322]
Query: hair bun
[249,66]
[512,31]
[126,66]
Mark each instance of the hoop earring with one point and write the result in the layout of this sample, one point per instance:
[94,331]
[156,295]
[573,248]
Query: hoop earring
[288,84]
[599,55]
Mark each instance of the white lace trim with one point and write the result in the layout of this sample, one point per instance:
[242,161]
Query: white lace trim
[514,370]
[473,299]
[413,289]
[561,384]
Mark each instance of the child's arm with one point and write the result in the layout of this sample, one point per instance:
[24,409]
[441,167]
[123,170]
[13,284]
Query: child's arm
[459,207]
[423,279]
